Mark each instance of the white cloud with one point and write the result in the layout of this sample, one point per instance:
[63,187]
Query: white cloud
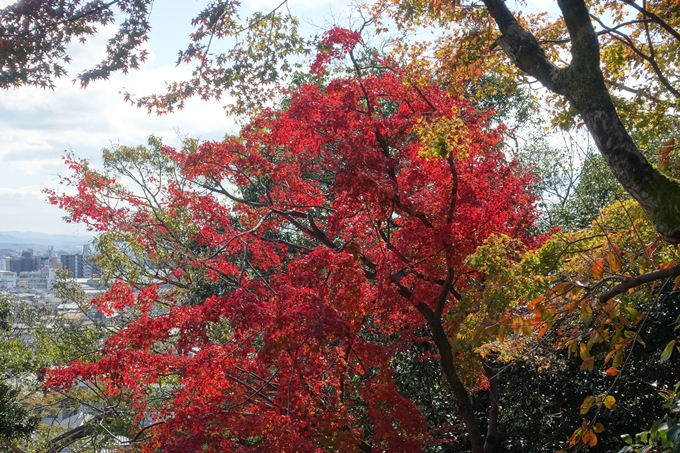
[36,126]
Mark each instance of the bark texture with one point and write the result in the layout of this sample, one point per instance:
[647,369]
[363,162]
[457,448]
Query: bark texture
[582,83]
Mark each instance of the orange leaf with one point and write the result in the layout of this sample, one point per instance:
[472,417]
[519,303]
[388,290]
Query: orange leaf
[611,371]
[589,438]
[588,364]
[667,147]
[651,249]
[575,437]
[598,269]
[560,289]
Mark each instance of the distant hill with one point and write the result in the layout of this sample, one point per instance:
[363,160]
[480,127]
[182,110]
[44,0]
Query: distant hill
[23,240]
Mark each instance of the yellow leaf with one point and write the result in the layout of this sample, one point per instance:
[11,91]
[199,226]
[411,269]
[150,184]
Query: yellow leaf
[614,262]
[586,314]
[598,269]
[571,349]
[609,356]
[610,402]
[598,428]
[490,330]
[618,358]
[583,351]
[587,404]
[477,334]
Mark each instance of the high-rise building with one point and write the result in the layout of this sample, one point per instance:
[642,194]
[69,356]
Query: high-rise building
[26,263]
[74,263]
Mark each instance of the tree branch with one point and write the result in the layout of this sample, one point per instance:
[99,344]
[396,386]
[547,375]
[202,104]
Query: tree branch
[656,19]
[522,47]
[10,445]
[640,280]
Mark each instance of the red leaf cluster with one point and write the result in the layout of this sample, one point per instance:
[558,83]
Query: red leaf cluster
[330,232]
[336,37]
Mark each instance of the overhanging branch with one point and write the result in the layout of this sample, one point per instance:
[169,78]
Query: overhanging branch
[640,280]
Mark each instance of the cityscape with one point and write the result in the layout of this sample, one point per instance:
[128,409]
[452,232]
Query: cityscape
[32,270]
[29,271]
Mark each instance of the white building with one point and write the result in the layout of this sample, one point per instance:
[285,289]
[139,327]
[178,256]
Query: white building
[42,279]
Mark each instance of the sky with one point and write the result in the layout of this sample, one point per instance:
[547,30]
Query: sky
[37,126]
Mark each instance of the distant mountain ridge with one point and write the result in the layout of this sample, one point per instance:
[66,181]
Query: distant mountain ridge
[13,239]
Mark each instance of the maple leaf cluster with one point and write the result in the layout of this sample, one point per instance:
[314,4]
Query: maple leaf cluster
[329,235]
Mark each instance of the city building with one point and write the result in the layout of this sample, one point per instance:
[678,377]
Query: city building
[26,263]
[42,279]
[8,280]
[74,263]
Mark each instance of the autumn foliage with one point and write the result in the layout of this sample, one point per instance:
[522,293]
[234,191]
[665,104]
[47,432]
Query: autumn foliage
[328,236]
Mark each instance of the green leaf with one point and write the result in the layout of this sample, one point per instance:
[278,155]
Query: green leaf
[673,432]
[668,350]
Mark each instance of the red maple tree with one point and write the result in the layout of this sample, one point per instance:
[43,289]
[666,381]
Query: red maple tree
[331,235]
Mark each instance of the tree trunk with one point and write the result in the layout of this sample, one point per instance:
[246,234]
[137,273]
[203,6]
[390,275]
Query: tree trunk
[583,85]
[463,402]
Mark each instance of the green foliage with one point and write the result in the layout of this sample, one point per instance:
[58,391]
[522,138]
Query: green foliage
[16,421]
[664,434]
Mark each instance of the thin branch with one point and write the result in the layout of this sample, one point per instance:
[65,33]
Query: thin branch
[656,19]
[627,41]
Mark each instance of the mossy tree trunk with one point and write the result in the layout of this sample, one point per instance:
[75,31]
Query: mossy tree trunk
[582,83]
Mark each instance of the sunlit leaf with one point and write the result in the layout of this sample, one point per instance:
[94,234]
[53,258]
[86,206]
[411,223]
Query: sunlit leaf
[667,351]
[609,402]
